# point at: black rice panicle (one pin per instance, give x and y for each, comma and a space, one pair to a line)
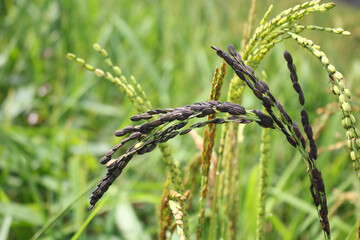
171, 122
285, 124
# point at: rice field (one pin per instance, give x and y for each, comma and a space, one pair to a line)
58, 119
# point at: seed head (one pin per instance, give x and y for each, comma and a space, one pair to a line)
264, 85
288, 57
237, 111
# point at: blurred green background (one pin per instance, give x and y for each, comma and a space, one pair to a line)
57, 119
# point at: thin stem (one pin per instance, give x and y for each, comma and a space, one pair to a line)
208, 145
263, 184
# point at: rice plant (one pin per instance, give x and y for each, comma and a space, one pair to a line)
172, 122
164, 124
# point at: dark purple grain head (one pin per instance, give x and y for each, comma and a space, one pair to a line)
280, 107
291, 141
317, 199
313, 149
186, 112
173, 134
315, 172
185, 131
267, 102
165, 118
249, 69
142, 150
258, 93
297, 130
222, 108
259, 87
301, 98
208, 111
136, 118
291, 67
145, 128
151, 148
297, 87
217, 121
182, 117
129, 129
145, 116
309, 132
214, 103
287, 117
155, 123
231, 104
293, 77
243, 121
240, 74
304, 118
216, 48
224, 55
272, 98
232, 117
152, 112
105, 159
231, 50
195, 125
265, 120
288, 57
303, 143
180, 125
160, 111
196, 108
324, 209
119, 133
264, 85
235, 54
237, 111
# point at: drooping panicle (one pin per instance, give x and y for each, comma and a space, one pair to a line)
284, 123
169, 123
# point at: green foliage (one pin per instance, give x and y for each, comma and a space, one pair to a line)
56, 120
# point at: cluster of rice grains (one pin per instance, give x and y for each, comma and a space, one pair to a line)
274, 31
172, 122
284, 123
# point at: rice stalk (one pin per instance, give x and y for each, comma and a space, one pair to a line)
217, 220
249, 25
191, 173
263, 183
165, 213
358, 232
208, 145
